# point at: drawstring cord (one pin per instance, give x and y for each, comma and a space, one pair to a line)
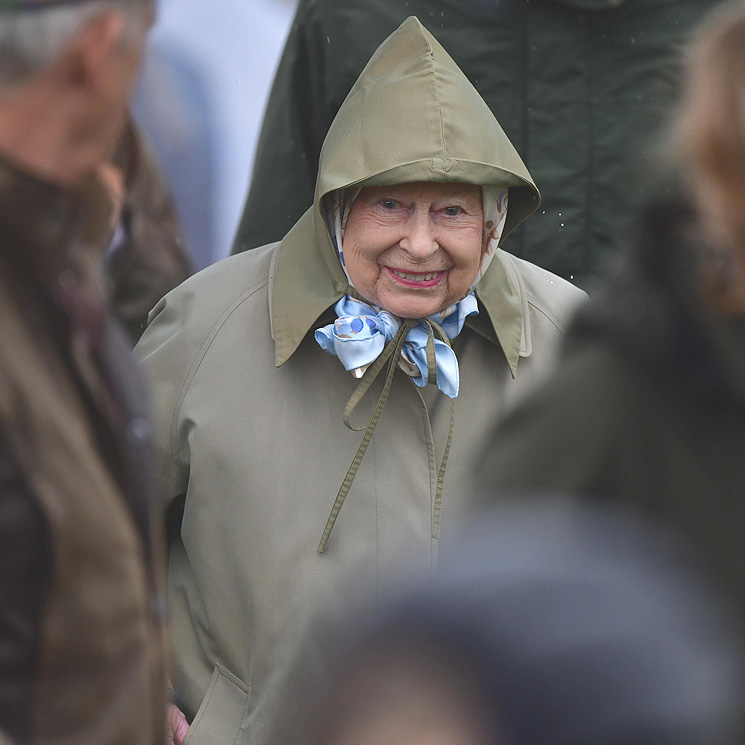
392, 355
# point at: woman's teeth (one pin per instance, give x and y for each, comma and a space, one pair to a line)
416, 277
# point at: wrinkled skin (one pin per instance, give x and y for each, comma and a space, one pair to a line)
431, 232
177, 726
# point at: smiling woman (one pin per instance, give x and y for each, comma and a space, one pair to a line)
414, 249
392, 284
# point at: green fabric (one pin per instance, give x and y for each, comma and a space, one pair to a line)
579, 92
646, 408
392, 354
223, 716
411, 116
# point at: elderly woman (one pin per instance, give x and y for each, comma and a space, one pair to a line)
388, 301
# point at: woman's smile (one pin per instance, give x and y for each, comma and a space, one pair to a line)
416, 279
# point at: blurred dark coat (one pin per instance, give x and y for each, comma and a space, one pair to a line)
647, 406
579, 87
81, 637
152, 257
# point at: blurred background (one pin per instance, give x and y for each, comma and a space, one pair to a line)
200, 103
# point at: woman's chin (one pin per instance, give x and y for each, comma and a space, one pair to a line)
416, 307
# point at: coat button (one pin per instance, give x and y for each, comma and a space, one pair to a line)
138, 432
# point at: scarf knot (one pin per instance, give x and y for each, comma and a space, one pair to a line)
360, 333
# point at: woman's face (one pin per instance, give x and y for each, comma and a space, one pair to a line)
414, 249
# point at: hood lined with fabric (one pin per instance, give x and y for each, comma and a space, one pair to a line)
412, 116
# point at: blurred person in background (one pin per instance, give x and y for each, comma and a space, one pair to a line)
174, 106
388, 302
147, 254
81, 609
647, 406
579, 86
200, 101
553, 624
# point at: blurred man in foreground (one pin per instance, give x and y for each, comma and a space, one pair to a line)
81, 654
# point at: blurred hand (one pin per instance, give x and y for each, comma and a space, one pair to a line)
177, 726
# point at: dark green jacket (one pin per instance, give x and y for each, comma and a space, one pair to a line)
578, 86
647, 407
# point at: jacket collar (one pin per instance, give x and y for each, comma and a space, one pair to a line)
306, 279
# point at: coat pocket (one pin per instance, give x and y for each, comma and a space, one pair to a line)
221, 713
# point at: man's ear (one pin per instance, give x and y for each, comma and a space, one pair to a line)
88, 57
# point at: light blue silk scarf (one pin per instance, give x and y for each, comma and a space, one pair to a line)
360, 334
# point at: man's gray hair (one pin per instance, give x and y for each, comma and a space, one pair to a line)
31, 40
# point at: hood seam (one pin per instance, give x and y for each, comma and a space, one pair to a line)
433, 73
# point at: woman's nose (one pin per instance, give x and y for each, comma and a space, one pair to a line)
419, 239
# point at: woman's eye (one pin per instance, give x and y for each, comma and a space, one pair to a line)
453, 211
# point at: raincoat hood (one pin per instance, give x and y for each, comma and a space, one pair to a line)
412, 116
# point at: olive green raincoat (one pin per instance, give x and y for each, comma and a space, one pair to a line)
250, 408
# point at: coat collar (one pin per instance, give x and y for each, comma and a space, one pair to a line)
306, 280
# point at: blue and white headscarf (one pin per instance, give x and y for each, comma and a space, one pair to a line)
363, 330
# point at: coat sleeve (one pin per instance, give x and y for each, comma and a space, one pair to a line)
167, 354
297, 117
